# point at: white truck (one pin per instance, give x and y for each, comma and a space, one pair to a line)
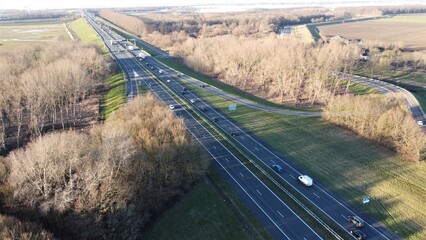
306, 180
141, 56
130, 47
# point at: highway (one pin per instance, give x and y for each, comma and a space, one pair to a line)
318, 195
330, 204
279, 219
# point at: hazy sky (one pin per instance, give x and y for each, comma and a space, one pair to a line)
43, 4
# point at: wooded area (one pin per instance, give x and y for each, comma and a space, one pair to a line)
111, 182
44, 88
380, 119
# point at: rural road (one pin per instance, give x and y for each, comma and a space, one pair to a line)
278, 218
387, 88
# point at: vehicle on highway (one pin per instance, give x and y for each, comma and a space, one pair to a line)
168, 80
233, 134
147, 64
171, 106
203, 109
420, 123
182, 92
152, 68
215, 119
160, 71
193, 100
277, 168
357, 221
306, 180
358, 234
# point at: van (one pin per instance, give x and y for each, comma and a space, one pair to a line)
306, 180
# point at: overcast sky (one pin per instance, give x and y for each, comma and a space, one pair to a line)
43, 4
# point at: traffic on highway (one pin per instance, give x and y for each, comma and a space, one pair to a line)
280, 220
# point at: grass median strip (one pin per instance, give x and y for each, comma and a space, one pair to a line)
114, 96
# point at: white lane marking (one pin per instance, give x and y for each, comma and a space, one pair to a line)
258, 192
227, 159
292, 176
214, 147
256, 148
316, 195
241, 174
280, 214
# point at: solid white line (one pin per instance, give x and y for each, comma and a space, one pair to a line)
280, 214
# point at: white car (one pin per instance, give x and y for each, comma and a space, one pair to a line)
306, 180
172, 106
420, 123
193, 100
168, 80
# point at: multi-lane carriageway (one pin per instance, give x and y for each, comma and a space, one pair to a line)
281, 222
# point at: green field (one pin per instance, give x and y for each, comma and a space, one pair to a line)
86, 33
209, 211
17, 35
405, 19
114, 96
358, 167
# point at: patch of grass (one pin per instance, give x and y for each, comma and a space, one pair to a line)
314, 31
114, 96
209, 211
86, 33
405, 19
358, 167
17, 35
360, 89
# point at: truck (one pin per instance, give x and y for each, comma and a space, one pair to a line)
141, 56
306, 180
130, 47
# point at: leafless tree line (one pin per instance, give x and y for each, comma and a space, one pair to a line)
108, 184
12, 228
286, 70
44, 87
381, 119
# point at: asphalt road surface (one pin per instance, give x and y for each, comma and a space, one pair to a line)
277, 217
287, 224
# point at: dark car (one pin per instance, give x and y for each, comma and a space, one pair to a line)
203, 109
357, 221
277, 168
215, 119
233, 134
358, 234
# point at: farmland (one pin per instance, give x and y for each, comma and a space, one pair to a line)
13, 35
406, 29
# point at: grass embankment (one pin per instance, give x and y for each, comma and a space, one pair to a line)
114, 96
358, 167
208, 211
86, 33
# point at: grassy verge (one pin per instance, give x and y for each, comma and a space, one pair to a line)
209, 211
86, 33
114, 96
359, 167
